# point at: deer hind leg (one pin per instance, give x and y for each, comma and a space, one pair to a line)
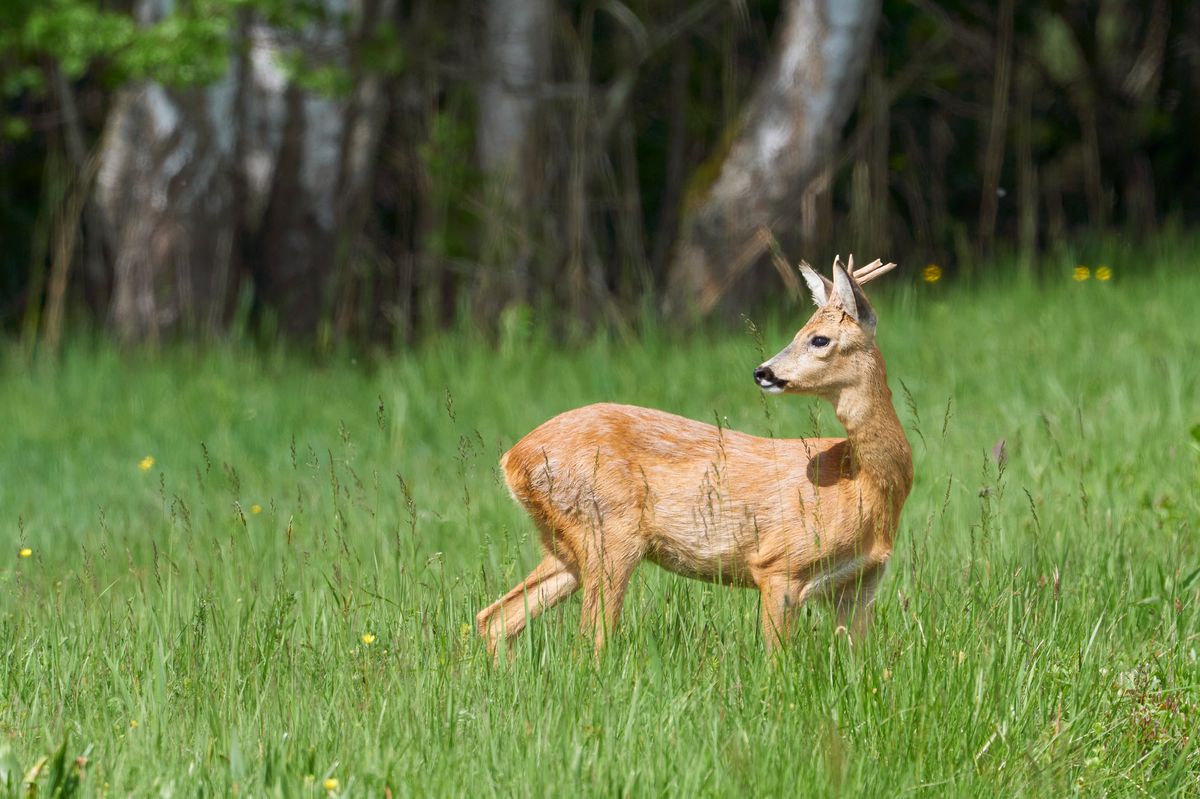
781, 597
550, 582
605, 581
854, 602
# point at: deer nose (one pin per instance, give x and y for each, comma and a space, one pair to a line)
764, 376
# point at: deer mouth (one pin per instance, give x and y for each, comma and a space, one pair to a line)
768, 382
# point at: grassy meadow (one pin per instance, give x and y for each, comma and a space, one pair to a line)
235, 571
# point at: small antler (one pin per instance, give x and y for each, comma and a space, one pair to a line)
866, 274
871, 271
822, 287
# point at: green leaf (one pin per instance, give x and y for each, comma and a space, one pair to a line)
20, 80
10, 768
15, 128
1191, 578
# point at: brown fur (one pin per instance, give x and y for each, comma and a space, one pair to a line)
611, 485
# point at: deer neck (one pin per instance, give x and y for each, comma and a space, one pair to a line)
878, 446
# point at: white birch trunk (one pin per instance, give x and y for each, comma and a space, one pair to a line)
252, 174
515, 64
788, 133
166, 189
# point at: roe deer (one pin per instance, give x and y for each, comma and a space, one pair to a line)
610, 485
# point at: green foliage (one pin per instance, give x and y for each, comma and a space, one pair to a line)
446, 156
75, 33
191, 45
182, 49
199, 623
381, 51
1057, 51
331, 80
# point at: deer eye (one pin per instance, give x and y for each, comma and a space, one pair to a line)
819, 341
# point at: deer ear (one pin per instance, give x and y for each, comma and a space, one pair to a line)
843, 289
850, 295
818, 284
866, 314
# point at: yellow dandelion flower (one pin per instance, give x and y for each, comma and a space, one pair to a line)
1103, 273
932, 273
24, 552
331, 784
1082, 273
256, 509
146, 463
367, 639
133, 724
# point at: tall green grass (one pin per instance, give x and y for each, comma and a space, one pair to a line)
197, 627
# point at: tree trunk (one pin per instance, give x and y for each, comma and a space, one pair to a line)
296, 250
191, 178
515, 67
788, 133
319, 151
165, 188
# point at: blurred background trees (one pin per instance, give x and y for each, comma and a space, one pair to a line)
372, 169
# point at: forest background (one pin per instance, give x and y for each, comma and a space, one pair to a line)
369, 171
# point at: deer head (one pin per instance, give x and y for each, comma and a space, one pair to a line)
835, 349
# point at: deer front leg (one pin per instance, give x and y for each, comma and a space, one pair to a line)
780, 600
855, 603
